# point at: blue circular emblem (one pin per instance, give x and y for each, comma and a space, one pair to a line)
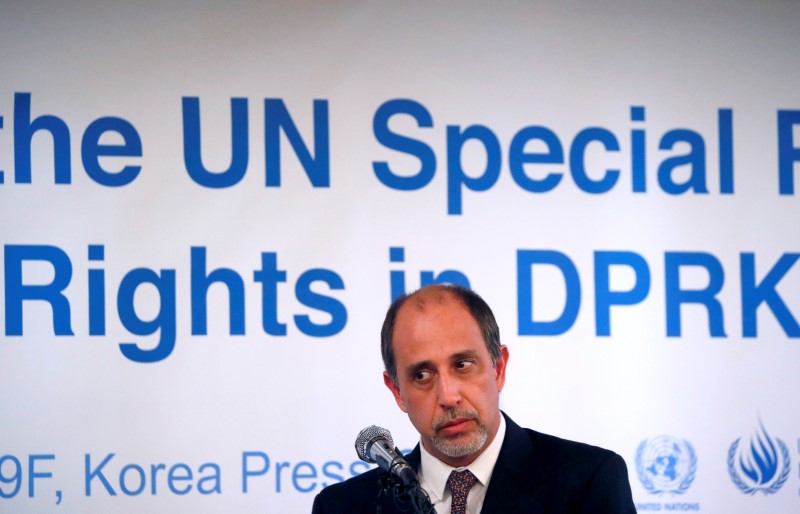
666, 464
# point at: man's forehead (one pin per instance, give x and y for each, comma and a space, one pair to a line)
430, 296
434, 310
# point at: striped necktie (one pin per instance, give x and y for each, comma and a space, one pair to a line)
460, 483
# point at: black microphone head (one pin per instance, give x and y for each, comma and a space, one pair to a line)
366, 437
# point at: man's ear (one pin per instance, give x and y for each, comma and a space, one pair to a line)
395, 391
500, 368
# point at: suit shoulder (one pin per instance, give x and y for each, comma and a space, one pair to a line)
566, 453
356, 494
567, 475
595, 477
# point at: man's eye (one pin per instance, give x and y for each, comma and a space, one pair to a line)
464, 364
422, 376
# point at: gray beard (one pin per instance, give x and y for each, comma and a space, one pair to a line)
461, 447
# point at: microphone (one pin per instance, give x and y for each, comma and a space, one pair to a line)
374, 445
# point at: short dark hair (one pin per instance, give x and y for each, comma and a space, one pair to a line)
470, 299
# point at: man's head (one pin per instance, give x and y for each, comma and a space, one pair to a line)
445, 367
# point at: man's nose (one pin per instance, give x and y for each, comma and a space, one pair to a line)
449, 391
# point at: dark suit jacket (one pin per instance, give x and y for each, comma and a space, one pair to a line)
535, 473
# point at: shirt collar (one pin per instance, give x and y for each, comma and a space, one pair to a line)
436, 472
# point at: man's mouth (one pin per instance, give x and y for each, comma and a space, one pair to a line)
456, 426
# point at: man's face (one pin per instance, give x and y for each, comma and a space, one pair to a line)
446, 382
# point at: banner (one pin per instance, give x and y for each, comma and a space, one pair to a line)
208, 207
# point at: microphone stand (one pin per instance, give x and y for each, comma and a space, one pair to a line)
405, 496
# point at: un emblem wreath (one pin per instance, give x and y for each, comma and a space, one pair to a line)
650, 469
776, 485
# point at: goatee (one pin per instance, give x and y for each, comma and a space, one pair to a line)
464, 444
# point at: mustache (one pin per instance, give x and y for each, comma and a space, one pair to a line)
451, 415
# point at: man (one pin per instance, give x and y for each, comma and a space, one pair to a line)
446, 367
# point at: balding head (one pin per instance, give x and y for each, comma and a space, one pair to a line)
439, 294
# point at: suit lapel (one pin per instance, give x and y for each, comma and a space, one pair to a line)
519, 479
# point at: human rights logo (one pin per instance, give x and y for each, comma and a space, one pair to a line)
760, 465
666, 464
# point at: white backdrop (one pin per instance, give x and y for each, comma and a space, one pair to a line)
666, 119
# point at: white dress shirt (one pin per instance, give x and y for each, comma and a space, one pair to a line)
433, 475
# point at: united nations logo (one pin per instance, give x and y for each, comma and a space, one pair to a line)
763, 465
666, 464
